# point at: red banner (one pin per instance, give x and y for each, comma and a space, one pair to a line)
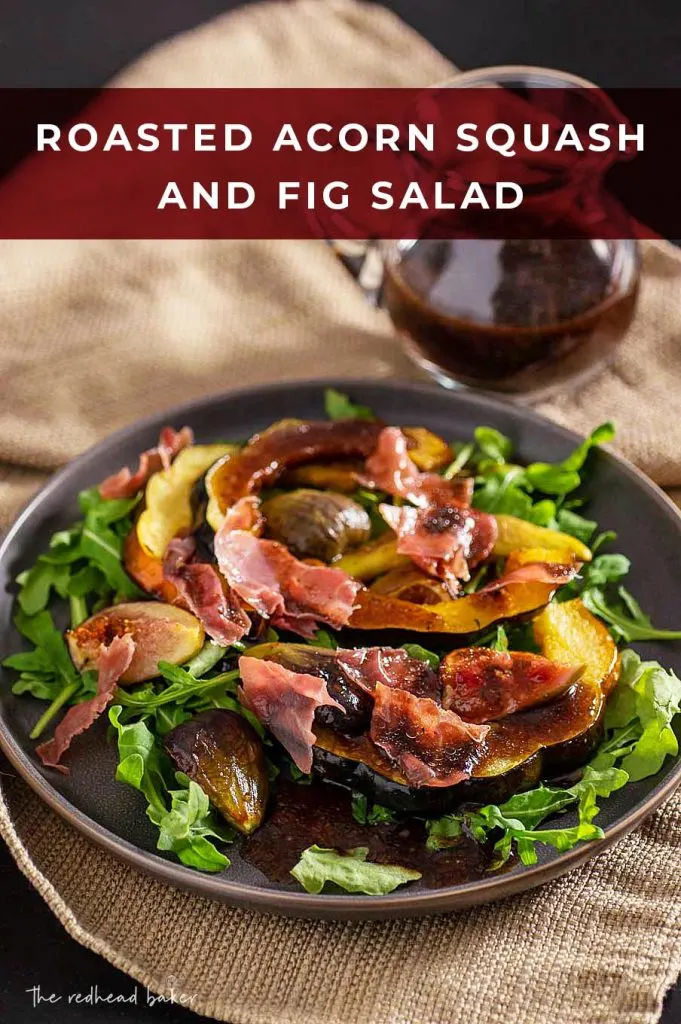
339, 163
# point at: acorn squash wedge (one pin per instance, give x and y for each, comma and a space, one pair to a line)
168, 510
519, 750
381, 555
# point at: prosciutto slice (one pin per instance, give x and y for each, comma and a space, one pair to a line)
114, 660
292, 594
430, 745
483, 685
125, 484
534, 572
391, 469
368, 666
285, 702
443, 540
203, 592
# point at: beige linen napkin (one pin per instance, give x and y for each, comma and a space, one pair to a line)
93, 335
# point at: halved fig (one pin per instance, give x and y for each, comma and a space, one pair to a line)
288, 444
167, 510
161, 632
356, 704
482, 685
223, 754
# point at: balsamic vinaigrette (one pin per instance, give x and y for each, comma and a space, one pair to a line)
511, 315
320, 814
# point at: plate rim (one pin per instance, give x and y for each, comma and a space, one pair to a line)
302, 904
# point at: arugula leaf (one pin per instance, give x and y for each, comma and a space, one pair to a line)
464, 453
183, 686
47, 669
500, 642
602, 571
351, 871
493, 445
647, 697
37, 584
599, 435
416, 651
297, 775
507, 489
140, 760
517, 819
323, 638
444, 831
624, 616
575, 525
207, 658
551, 479
363, 814
339, 407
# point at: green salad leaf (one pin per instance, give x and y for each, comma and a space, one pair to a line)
639, 716
508, 489
624, 616
350, 871
339, 407
186, 824
416, 651
366, 814
84, 565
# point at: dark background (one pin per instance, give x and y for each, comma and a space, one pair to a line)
67, 43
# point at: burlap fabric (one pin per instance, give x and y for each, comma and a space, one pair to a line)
95, 334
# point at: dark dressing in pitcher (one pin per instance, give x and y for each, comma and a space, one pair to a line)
515, 316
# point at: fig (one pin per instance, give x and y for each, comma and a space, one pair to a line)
356, 704
161, 632
223, 754
316, 524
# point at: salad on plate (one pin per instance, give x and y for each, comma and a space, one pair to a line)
365, 653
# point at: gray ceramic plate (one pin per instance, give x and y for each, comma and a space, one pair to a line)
110, 814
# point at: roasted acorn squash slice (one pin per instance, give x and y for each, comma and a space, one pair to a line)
541, 742
379, 556
167, 511
462, 615
167, 508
